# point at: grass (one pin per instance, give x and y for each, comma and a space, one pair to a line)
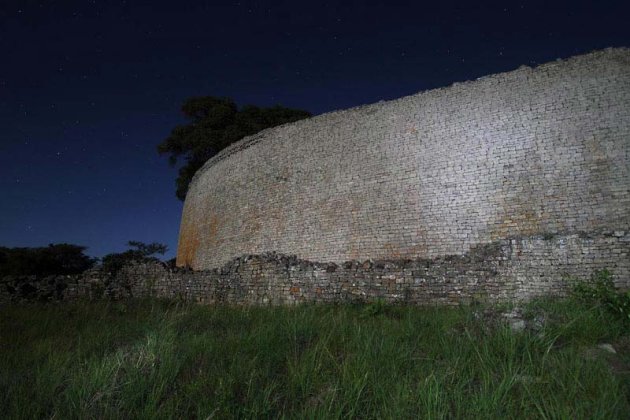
158, 359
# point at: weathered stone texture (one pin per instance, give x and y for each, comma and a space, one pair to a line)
532, 153
497, 189
506, 270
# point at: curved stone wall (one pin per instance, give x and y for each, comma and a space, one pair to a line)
530, 152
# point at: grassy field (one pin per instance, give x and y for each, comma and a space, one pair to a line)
156, 359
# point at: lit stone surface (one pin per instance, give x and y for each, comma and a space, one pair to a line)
532, 153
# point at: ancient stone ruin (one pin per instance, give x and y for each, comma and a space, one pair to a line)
536, 160
498, 188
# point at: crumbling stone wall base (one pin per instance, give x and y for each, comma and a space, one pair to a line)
507, 270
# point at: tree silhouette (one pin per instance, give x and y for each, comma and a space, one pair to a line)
113, 263
42, 261
215, 123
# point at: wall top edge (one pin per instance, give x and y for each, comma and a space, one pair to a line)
246, 142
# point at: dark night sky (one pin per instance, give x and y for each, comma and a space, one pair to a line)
89, 88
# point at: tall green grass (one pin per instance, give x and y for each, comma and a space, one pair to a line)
157, 359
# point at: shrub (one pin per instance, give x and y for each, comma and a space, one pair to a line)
55, 259
378, 307
113, 263
601, 291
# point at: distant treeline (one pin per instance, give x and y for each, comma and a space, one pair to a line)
65, 259
53, 259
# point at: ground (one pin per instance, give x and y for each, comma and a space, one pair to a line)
165, 359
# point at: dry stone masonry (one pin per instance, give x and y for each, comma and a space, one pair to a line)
505, 270
533, 154
494, 189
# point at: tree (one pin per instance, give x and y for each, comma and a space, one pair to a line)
215, 123
112, 263
42, 261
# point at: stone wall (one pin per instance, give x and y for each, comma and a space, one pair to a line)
496, 189
505, 270
541, 152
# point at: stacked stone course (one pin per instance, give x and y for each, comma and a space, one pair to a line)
508, 270
528, 153
495, 189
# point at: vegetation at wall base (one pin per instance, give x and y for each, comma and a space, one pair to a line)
139, 253
601, 293
168, 359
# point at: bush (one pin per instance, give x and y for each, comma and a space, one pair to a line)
113, 263
601, 291
55, 259
378, 307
